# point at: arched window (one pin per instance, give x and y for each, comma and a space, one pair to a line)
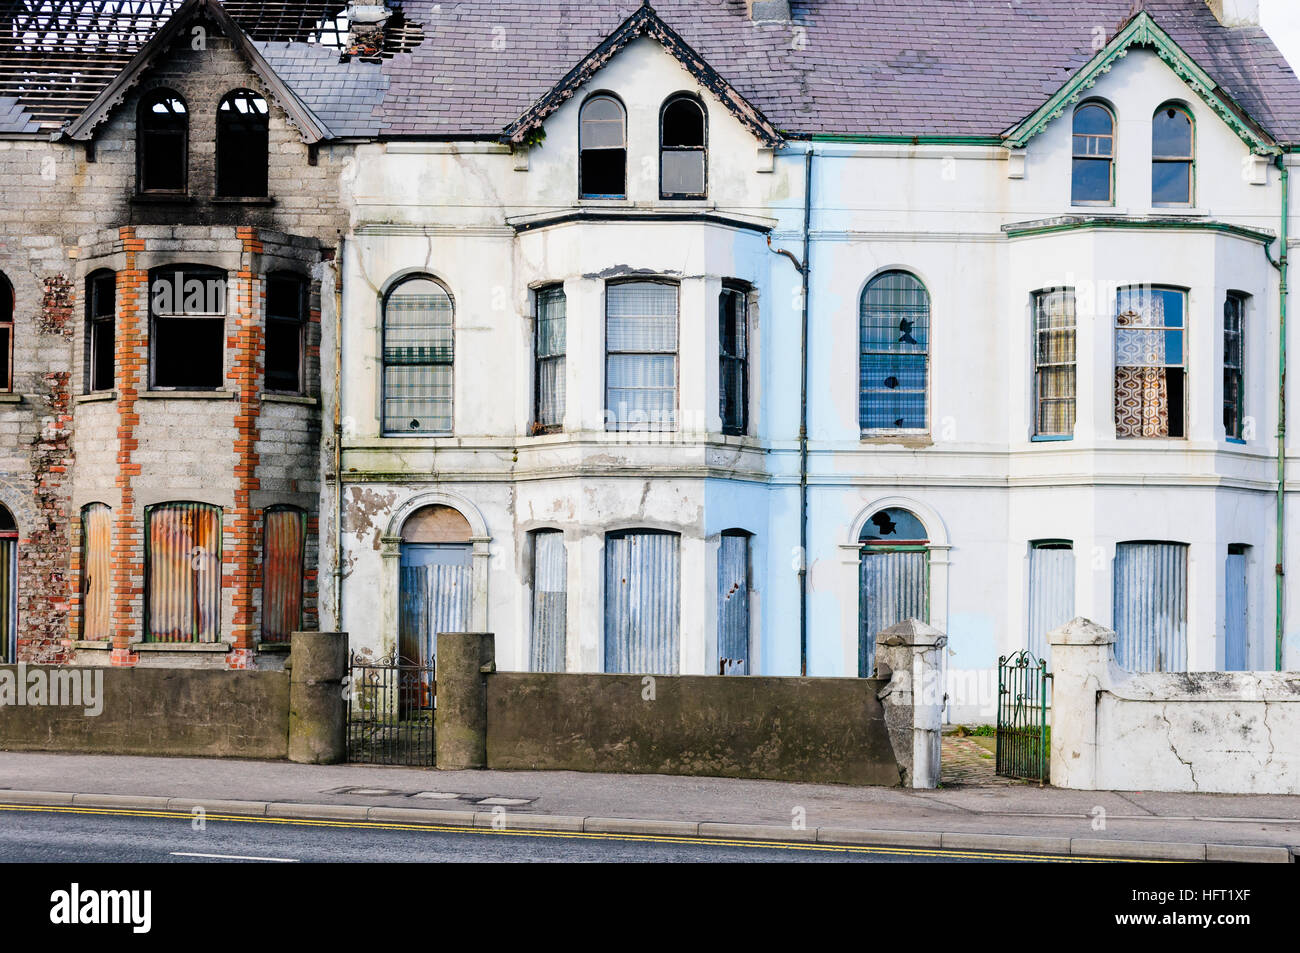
419, 345
96, 572
1094, 156
101, 309
242, 122
893, 580
602, 147
8, 586
895, 353
1173, 156
284, 550
162, 143
7, 332
436, 588
682, 149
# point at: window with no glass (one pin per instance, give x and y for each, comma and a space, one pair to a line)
101, 297
242, 143
162, 148
286, 326
682, 149
187, 343
602, 145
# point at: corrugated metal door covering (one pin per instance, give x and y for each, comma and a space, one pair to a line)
1051, 593
284, 541
733, 605
1151, 606
436, 590
96, 571
1235, 650
643, 602
550, 595
894, 587
183, 587
9, 598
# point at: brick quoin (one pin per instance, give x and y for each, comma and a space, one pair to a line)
130, 356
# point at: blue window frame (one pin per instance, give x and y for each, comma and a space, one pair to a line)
895, 353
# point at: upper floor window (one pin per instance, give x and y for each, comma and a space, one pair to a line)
162, 143
419, 346
733, 354
1094, 155
286, 328
187, 334
6, 334
602, 144
1054, 363
242, 144
1150, 363
1172, 156
682, 153
1234, 366
548, 410
894, 353
101, 307
641, 356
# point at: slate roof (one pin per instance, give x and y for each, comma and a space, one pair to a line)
844, 67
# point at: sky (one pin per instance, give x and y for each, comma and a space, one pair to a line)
1281, 18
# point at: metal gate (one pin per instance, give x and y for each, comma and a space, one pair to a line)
1024, 737
390, 711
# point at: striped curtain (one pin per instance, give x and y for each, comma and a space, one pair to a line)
284, 541
550, 595
183, 584
96, 572
643, 603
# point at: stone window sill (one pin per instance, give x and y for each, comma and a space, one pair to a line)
290, 399
100, 644
242, 200
181, 646
11, 398
187, 395
273, 647
162, 198
97, 397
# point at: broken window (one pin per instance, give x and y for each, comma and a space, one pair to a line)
893, 578
187, 343
1150, 368
550, 601
1172, 156
162, 143
182, 572
1234, 366
643, 602
101, 308
733, 603
96, 572
895, 353
284, 548
242, 143
8, 587
1151, 606
419, 346
7, 332
1093, 179
641, 356
682, 149
286, 328
548, 412
733, 360
602, 146
1054, 363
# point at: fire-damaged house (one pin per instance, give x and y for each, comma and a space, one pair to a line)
694, 337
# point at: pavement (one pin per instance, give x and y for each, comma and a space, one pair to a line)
958, 816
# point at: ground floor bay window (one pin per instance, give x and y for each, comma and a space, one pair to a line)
183, 572
8, 587
643, 602
1151, 606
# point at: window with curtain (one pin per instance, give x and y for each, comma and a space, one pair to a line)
1234, 366
162, 143
419, 345
1172, 156
602, 148
243, 125
895, 353
284, 547
1093, 175
548, 411
641, 356
182, 572
733, 369
1150, 364
1054, 362
286, 330
96, 572
682, 152
101, 308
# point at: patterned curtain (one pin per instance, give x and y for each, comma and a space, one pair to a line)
1141, 379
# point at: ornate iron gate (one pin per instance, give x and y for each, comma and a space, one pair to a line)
1024, 737
390, 711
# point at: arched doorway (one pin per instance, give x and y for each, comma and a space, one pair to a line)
436, 580
894, 578
8, 586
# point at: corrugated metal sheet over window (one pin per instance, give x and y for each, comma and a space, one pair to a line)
284, 542
96, 571
1151, 606
436, 591
1236, 652
183, 576
894, 586
550, 595
643, 603
733, 605
1051, 593
9, 598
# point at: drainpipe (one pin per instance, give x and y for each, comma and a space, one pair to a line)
805, 269
1282, 264
338, 437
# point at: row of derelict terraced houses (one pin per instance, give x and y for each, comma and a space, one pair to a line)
694, 341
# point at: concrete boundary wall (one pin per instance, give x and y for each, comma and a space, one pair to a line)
1221, 732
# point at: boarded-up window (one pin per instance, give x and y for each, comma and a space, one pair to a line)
894, 579
733, 604
96, 572
437, 580
1151, 606
550, 597
643, 602
418, 358
551, 319
1051, 591
641, 356
8, 587
1236, 646
183, 573
284, 541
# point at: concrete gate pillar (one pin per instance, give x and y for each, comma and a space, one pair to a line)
460, 719
318, 663
910, 655
1082, 654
